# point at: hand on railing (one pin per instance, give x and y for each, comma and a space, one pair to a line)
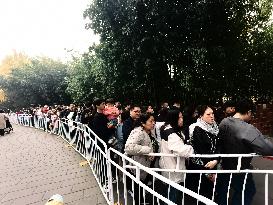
211, 164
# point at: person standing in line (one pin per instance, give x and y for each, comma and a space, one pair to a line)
128, 124
125, 113
229, 108
237, 136
204, 139
139, 143
100, 121
100, 127
173, 142
226, 110
162, 112
3, 119
190, 116
54, 121
150, 109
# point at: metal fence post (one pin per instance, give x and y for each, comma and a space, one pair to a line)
109, 174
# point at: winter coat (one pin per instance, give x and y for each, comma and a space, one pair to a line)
173, 144
3, 119
138, 144
239, 137
127, 128
119, 136
204, 142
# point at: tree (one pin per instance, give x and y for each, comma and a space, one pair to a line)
12, 61
86, 78
42, 81
192, 50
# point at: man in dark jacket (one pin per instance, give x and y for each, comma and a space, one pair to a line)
237, 136
129, 123
99, 122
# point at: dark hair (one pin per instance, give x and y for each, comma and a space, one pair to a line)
189, 110
142, 119
133, 106
145, 108
1, 111
172, 119
245, 105
162, 115
97, 101
110, 100
229, 103
201, 109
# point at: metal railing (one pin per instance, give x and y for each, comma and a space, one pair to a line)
82, 139
108, 164
220, 171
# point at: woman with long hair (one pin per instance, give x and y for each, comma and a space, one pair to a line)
173, 142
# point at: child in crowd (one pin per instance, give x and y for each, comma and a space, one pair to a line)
111, 113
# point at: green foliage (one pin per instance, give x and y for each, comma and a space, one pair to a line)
42, 81
153, 51
86, 78
195, 51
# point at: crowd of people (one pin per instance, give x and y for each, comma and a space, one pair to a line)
138, 131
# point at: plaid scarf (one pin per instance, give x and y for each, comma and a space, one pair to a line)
211, 128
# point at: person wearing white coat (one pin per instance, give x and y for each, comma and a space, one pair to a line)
172, 142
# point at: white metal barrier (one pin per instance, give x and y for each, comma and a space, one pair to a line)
141, 192
107, 164
92, 148
219, 171
83, 140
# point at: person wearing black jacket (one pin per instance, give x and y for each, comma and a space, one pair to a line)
99, 122
204, 140
128, 124
99, 126
237, 136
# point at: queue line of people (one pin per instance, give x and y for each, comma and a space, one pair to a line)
233, 136
138, 134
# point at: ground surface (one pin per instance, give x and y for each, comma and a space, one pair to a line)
34, 165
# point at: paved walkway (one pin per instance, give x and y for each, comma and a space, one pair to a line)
34, 165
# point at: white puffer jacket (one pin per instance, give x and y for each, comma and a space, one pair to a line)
174, 145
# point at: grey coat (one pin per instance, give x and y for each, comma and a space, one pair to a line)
239, 137
138, 144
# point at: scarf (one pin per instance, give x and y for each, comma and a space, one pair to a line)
211, 128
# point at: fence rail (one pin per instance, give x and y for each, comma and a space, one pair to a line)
109, 165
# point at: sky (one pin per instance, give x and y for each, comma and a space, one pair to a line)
44, 28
